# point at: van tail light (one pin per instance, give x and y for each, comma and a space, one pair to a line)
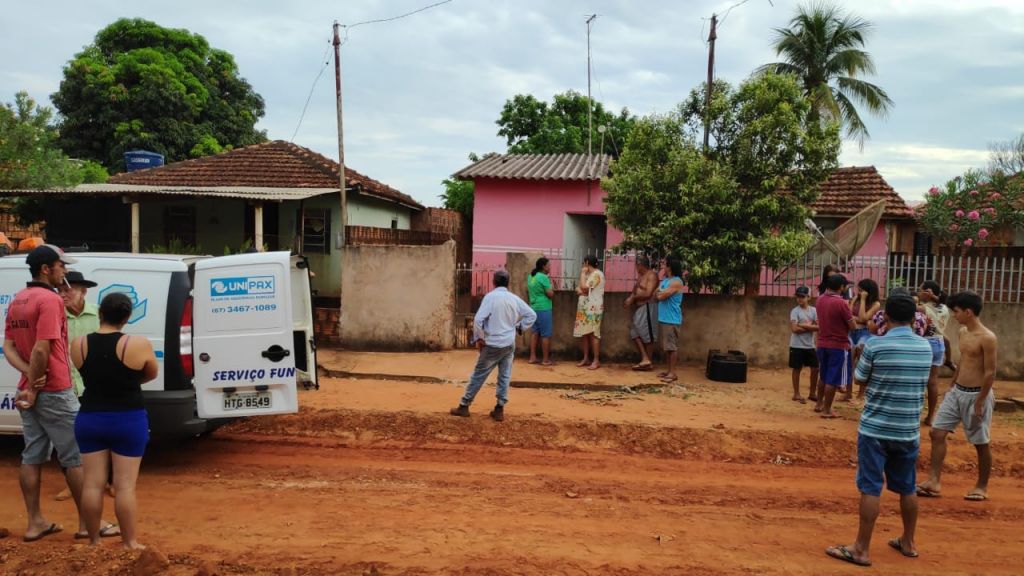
185, 343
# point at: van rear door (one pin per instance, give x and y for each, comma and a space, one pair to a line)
242, 341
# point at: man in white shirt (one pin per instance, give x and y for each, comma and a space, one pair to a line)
502, 314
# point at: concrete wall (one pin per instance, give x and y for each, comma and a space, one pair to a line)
759, 327
1005, 320
398, 297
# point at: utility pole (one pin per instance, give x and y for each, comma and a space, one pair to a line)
590, 119
341, 150
590, 102
711, 79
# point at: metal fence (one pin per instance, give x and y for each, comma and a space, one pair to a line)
995, 278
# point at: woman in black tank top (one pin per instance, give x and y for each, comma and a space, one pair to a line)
112, 425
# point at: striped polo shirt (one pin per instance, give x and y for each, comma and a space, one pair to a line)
896, 368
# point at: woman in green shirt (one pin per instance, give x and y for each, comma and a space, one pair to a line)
538, 284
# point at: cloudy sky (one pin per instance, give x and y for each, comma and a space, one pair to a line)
424, 91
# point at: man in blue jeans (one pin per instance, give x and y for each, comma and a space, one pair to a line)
895, 368
502, 314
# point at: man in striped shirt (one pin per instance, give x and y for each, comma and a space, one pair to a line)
895, 369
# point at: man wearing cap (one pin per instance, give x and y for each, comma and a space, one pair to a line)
895, 369
83, 317
803, 323
835, 320
502, 314
36, 329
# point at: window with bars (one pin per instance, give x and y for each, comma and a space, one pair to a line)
316, 231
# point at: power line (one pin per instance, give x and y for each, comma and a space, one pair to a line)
311, 88
391, 19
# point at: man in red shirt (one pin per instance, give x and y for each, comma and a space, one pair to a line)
36, 329
835, 320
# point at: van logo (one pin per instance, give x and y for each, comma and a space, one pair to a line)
242, 286
139, 306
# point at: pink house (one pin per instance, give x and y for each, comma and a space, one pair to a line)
550, 203
553, 203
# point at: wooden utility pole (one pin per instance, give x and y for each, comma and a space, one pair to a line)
341, 152
711, 79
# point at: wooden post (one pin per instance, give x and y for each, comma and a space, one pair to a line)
258, 227
135, 227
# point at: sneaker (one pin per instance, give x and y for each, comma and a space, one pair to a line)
460, 411
498, 414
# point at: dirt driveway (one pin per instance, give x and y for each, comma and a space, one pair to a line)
372, 477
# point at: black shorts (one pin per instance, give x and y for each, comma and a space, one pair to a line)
800, 357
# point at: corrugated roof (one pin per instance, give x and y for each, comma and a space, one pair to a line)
849, 190
247, 192
538, 167
276, 164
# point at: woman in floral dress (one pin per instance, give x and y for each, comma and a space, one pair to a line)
589, 312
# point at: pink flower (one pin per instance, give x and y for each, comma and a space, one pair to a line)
959, 213
949, 203
996, 196
983, 233
990, 211
934, 191
973, 215
968, 242
973, 192
954, 227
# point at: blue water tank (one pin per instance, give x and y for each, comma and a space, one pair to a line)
142, 159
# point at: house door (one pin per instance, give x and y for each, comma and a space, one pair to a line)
583, 234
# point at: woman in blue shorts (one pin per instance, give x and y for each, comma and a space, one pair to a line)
538, 284
863, 305
112, 425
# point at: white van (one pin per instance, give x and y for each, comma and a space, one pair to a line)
233, 335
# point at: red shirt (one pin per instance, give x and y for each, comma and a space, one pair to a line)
37, 313
834, 317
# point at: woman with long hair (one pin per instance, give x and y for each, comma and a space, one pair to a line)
112, 425
590, 312
538, 285
932, 301
864, 304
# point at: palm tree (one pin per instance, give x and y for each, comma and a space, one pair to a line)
824, 47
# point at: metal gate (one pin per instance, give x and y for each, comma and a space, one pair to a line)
471, 283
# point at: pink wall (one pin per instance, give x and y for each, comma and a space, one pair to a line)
521, 215
878, 244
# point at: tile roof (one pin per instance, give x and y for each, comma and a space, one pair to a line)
245, 192
538, 167
274, 164
850, 189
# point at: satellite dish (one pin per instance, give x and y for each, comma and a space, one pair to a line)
601, 129
842, 243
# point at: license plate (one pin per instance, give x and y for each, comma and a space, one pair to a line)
246, 400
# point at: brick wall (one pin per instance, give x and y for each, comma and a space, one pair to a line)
325, 326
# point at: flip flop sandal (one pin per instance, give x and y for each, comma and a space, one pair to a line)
109, 530
51, 529
928, 493
974, 497
898, 545
843, 553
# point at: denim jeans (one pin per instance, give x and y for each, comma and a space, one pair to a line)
485, 363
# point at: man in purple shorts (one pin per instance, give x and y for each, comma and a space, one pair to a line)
835, 320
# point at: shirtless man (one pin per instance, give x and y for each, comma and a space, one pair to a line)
971, 399
644, 328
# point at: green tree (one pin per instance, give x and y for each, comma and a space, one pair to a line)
824, 47
458, 195
531, 126
30, 158
738, 207
139, 85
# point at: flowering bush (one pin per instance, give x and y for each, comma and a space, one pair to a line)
969, 208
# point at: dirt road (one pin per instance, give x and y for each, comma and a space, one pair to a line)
373, 478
